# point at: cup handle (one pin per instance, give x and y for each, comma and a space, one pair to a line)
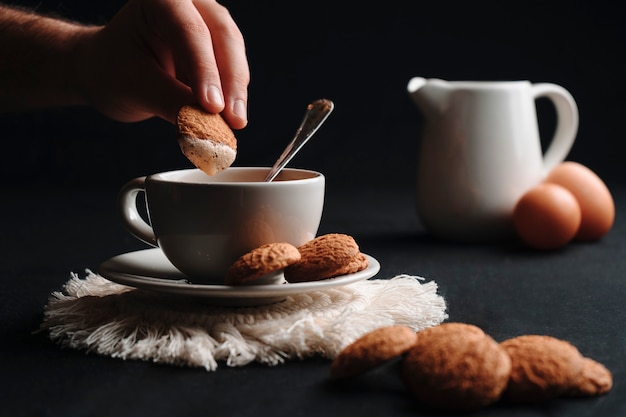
566, 123
127, 208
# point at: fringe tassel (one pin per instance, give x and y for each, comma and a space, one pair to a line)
97, 315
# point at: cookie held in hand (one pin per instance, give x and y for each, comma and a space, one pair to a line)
205, 139
326, 256
261, 261
372, 350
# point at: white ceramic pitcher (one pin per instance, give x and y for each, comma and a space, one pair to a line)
481, 150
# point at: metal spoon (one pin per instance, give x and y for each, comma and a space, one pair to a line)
316, 114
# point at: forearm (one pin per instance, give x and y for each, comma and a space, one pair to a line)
39, 57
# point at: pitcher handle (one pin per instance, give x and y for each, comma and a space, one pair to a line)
127, 209
566, 123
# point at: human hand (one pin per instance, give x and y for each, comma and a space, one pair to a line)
155, 56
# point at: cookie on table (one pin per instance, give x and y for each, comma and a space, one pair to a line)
205, 139
594, 379
324, 257
372, 350
455, 367
261, 261
543, 367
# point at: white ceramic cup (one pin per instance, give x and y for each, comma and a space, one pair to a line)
204, 223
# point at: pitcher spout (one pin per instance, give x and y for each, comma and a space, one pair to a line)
430, 95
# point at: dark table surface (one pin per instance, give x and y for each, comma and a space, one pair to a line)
576, 294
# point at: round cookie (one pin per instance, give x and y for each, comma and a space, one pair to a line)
205, 139
371, 350
456, 367
322, 258
261, 261
543, 367
594, 379
356, 264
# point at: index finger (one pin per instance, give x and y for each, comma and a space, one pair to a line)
181, 26
230, 54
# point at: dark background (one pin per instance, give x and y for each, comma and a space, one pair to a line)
360, 55
60, 170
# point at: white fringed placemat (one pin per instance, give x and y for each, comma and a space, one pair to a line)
97, 315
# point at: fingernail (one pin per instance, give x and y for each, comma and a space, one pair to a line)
214, 96
239, 109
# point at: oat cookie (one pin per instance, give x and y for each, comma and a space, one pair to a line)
371, 350
261, 261
543, 367
205, 139
323, 257
456, 367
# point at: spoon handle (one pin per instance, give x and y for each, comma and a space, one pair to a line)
316, 114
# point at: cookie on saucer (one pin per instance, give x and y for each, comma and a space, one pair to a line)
261, 261
356, 264
326, 256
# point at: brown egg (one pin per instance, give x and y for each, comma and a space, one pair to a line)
595, 200
547, 217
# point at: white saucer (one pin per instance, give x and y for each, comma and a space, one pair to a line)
149, 269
